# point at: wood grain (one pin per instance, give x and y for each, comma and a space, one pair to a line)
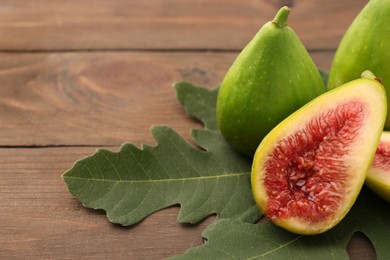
170, 24
104, 98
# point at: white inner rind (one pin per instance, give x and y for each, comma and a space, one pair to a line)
362, 149
379, 181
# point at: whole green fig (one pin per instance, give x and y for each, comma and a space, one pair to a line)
272, 77
365, 46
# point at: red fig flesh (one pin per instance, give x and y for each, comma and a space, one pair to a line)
308, 171
378, 178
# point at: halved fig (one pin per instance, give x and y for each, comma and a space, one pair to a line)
308, 171
378, 178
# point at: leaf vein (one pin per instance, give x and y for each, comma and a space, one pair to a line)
113, 166
233, 175
275, 249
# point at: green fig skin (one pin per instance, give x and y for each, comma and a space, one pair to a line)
364, 46
272, 77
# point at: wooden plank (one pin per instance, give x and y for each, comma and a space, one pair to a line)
40, 220
101, 98
164, 24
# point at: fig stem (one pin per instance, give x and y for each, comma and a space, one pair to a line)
282, 16
367, 74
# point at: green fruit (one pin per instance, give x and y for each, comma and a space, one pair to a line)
272, 77
378, 178
364, 46
308, 171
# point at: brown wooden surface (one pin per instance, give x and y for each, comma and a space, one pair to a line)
77, 75
100, 98
168, 24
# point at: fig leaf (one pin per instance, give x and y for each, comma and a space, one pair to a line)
232, 239
133, 183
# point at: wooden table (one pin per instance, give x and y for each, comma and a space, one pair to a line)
78, 75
